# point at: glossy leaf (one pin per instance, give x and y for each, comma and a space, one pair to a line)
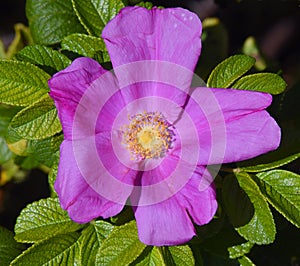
51, 180
60, 250
94, 14
50, 21
43, 219
90, 241
152, 257
85, 45
282, 188
245, 261
229, 70
43, 56
261, 228
45, 151
112, 252
269, 166
9, 248
182, 255
264, 82
37, 121
240, 250
21, 84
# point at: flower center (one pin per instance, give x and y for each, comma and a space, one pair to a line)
148, 135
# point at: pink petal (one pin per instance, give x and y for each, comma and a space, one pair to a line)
232, 124
171, 35
251, 135
201, 204
169, 222
68, 86
250, 130
122, 170
164, 223
240, 102
76, 196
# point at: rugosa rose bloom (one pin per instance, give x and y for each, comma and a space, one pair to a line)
142, 137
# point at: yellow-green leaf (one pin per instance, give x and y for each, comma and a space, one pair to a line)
264, 82
229, 70
21, 84
37, 121
261, 228
282, 189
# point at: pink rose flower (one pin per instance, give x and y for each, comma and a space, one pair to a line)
142, 137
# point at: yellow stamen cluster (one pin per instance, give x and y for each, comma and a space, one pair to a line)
148, 135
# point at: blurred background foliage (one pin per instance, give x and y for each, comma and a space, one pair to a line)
268, 30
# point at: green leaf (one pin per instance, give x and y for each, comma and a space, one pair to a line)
9, 248
21, 84
264, 82
261, 228
51, 179
91, 239
60, 250
166, 256
236, 202
43, 56
85, 45
182, 255
94, 14
240, 250
229, 70
282, 189
15, 143
46, 151
43, 219
112, 253
37, 121
152, 257
245, 261
50, 21
269, 166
